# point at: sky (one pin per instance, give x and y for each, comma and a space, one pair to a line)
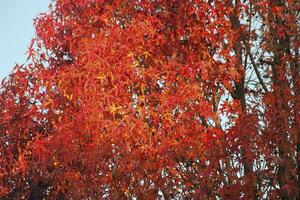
16, 30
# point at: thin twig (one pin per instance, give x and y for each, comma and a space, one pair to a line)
255, 68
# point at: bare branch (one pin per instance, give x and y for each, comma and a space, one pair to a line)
261, 81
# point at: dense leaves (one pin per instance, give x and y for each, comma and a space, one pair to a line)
155, 99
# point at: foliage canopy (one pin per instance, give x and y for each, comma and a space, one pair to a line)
155, 99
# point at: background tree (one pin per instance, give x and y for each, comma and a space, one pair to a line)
155, 99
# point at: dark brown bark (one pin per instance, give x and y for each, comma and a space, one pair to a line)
285, 174
239, 93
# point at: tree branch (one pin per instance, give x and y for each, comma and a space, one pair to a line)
261, 81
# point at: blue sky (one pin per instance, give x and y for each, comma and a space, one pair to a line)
16, 30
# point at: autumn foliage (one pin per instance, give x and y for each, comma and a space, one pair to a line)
191, 99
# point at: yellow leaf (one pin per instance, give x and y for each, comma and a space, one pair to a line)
130, 54
147, 54
101, 77
69, 97
113, 109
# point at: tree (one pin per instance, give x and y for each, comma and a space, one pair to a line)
155, 99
